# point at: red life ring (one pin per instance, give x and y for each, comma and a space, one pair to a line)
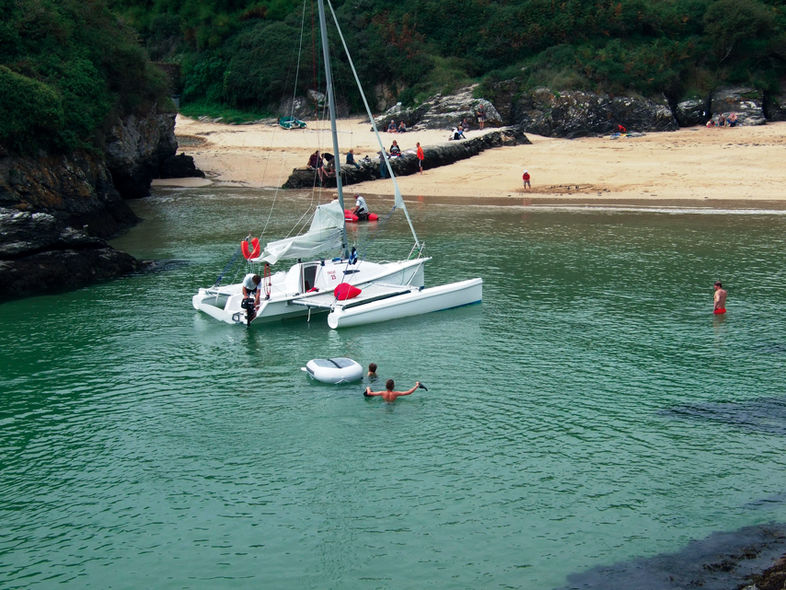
255, 248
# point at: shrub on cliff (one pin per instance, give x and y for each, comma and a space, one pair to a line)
69, 68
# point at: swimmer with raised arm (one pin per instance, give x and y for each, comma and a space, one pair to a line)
388, 394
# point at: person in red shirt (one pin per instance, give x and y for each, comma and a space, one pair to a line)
421, 157
525, 177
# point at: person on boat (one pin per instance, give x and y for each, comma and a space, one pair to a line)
361, 209
388, 394
351, 159
372, 372
719, 299
395, 151
251, 284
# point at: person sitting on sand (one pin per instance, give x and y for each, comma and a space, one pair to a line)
392, 127
402, 128
388, 394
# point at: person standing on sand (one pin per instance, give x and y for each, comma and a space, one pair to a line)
719, 299
525, 177
421, 157
388, 394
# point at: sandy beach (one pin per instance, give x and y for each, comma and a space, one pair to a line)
741, 167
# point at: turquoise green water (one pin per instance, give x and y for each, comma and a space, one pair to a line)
589, 411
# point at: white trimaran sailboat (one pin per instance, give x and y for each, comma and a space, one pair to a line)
387, 290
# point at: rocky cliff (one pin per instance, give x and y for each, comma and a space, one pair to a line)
574, 113
56, 211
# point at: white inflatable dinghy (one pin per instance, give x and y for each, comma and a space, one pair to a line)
336, 370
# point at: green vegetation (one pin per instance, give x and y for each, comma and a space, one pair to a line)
67, 68
241, 54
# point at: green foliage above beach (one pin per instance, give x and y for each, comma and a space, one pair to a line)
67, 68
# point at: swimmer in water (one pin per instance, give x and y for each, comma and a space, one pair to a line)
388, 394
719, 299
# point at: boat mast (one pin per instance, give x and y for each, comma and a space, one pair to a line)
332, 109
398, 199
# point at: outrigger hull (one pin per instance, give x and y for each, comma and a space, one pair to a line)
415, 302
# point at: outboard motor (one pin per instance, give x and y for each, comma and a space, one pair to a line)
249, 305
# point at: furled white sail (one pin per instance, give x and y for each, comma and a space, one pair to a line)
323, 235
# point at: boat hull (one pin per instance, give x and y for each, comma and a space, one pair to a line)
298, 285
416, 302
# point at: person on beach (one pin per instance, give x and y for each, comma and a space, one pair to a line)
719, 299
525, 178
251, 284
402, 128
392, 127
372, 371
388, 394
481, 115
361, 209
421, 157
383, 167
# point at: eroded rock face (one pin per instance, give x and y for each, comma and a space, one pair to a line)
135, 149
58, 209
694, 111
777, 107
76, 189
444, 112
747, 103
578, 114
41, 254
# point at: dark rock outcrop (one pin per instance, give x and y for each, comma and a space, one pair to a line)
135, 149
76, 189
41, 254
693, 111
776, 107
180, 166
443, 112
407, 163
579, 114
58, 209
747, 103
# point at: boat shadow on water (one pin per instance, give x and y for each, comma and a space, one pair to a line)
764, 414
